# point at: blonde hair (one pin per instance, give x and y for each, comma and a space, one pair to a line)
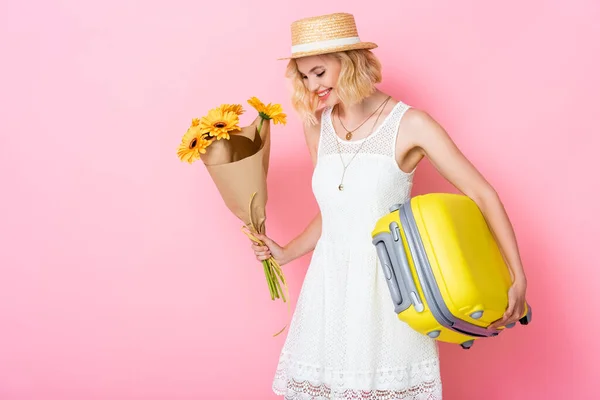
360, 71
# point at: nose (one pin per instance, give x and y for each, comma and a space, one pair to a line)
313, 86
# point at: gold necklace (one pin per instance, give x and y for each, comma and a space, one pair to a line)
349, 133
341, 185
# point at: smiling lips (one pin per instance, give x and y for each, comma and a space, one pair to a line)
323, 94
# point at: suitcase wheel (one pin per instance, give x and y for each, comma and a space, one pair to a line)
527, 318
511, 325
467, 345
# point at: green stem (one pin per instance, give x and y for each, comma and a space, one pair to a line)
273, 280
268, 277
278, 275
260, 124
280, 290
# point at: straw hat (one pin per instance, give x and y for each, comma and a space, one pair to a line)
325, 34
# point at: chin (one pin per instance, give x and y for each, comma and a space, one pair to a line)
330, 101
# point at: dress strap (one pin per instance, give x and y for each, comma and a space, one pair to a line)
327, 135
398, 113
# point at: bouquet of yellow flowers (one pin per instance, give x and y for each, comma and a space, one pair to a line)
237, 160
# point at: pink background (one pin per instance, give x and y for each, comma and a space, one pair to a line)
124, 277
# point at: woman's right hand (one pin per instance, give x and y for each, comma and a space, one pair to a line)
270, 248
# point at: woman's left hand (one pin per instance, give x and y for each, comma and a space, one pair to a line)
516, 306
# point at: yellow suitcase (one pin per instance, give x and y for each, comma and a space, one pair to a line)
445, 272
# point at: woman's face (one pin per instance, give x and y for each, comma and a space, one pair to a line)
320, 75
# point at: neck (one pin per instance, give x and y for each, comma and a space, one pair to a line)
356, 113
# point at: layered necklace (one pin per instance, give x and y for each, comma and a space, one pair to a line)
349, 136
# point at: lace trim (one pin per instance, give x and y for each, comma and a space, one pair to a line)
388, 384
305, 390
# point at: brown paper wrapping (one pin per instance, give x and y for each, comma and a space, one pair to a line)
239, 168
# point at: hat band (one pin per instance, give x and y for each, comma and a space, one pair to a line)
324, 44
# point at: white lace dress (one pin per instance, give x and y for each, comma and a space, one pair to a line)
344, 340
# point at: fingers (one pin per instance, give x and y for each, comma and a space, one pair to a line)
262, 252
496, 324
514, 312
511, 315
515, 315
267, 241
263, 256
501, 322
258, 247
510, 309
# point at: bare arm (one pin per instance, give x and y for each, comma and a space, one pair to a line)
425, 135
306, 241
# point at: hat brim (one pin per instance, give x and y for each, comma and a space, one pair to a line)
356, 46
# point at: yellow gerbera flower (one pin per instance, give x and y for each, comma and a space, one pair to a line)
269, 111
193, 143
219, 123
236, 108
275, 112
257, 104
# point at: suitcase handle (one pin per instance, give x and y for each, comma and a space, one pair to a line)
397, 290
408, 282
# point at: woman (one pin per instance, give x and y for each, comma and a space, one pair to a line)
345, 341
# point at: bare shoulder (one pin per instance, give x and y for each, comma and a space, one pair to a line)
418, 133
418, 128
312, 134
416, 119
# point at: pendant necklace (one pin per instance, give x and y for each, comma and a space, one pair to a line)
348, 132
341, 185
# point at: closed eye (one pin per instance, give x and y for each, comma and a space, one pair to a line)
320, 74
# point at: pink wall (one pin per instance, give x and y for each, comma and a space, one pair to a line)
124, 277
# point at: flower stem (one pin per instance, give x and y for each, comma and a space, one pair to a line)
260, 124
269, 279
277, 273
273, 280
279, 290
